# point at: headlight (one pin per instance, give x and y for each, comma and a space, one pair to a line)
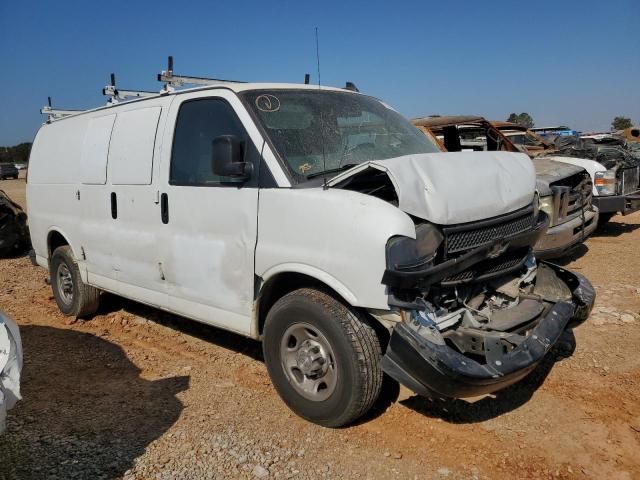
605, 182
546, 205
407, 253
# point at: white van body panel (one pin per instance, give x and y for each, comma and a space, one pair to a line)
317, 236
95, 150
131, 146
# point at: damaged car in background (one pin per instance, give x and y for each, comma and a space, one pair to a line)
565, 191
10, 366
376, 251
613, 162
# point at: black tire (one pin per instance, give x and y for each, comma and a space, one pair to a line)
604, 218
355, 354
73, 296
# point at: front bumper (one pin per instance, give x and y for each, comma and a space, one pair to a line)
437, 370
559, 239
624, 204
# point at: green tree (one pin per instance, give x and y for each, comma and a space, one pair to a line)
620, 123
16, 154
523, 119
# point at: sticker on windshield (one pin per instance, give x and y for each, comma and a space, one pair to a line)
268, 103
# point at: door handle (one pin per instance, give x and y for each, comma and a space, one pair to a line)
164, 208
114, 205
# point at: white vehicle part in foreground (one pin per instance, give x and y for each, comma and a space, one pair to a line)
461, 187
10, 366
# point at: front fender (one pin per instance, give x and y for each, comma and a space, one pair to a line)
336, 236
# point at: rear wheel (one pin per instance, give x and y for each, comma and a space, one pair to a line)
73, 296
323, 357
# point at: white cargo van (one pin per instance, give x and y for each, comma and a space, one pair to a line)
315, 219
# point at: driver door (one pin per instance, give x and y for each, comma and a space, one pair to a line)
209, 222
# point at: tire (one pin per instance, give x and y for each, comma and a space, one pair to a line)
313, 341
604, 218
73, 296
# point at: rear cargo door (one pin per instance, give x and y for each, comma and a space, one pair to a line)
95, 224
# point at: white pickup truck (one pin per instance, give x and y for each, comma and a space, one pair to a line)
614, 171
317, 220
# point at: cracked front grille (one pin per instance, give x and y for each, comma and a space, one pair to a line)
630, 180
487, 269
467, 239
570, 196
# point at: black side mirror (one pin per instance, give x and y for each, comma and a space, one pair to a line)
227, 158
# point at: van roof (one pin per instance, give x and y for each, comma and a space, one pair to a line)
233, 86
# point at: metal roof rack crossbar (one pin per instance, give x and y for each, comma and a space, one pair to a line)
172, 80
118, 94
56, 113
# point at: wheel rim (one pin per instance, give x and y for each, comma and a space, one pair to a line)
308, 362
65, 283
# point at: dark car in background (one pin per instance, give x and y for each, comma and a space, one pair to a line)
8, 170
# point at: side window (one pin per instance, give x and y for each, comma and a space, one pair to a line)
198, 123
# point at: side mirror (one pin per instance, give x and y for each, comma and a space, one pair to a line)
227, 158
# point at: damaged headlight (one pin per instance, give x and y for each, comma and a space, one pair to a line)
605, 182
546, 205
404, 253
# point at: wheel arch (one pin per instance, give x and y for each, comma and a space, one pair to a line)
277, 282
55, 239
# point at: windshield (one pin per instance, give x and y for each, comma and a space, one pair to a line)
321, 131
524, 138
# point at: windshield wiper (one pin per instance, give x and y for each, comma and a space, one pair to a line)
346, 166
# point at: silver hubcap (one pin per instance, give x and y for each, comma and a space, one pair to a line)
65, 283
308, 362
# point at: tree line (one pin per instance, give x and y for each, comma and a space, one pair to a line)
16, 154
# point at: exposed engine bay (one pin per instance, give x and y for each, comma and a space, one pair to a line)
488, 320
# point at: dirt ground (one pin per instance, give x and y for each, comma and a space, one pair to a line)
138, 393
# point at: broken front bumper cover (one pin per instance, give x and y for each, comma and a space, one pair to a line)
438, 371
561, 238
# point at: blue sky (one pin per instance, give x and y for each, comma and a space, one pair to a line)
569, 62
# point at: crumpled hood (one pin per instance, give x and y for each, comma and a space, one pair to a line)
455, 187
551, 171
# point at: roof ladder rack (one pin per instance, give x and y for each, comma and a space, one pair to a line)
118, 94
172, 80
56, 113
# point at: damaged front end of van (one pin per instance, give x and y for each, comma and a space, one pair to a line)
477, 311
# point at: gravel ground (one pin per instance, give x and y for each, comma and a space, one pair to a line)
140, 394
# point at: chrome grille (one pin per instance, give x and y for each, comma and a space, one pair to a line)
570, 196
630, 180
467, 239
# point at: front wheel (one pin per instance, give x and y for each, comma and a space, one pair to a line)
323, 357
73, 296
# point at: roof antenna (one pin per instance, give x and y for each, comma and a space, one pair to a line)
318, 56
